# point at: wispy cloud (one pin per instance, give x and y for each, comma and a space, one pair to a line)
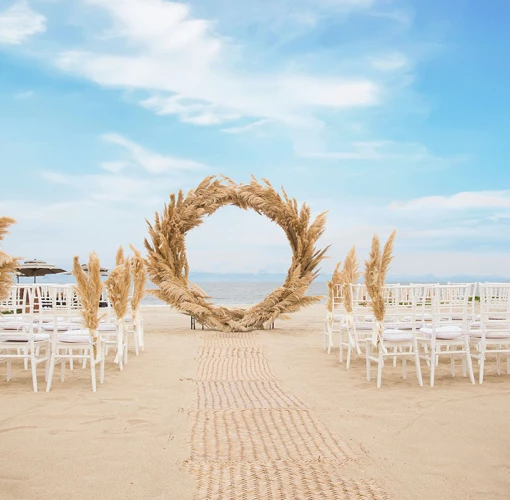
247, 128
159, 47
150, 161
19, 22
459, 201
389, 62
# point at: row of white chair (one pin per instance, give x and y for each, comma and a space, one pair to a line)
424, 322
45, 326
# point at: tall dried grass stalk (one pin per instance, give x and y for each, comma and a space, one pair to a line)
120, 257
139, 278
168, 266
89, 288
8, 264
350, 275
117, 286
376, 269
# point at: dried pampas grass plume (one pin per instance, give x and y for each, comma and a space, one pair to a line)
8, 264
376, 269
117, 286
139, 278
119, 257
168, 266
350, 275
89, 288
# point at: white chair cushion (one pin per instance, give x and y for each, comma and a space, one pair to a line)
107, 327
71, 338
405, 325
60, 327
14, 325
443, 332
393, 335
24, 337
490, 335
363, 325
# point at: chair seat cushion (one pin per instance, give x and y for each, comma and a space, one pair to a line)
12, 325
24, 337
363, 325
394, 335
490, 335
60, 327
106, 327
405, 325
443, 332
80, 338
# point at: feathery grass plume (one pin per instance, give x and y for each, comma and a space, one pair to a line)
350, 276
376, 269
335, 280
89, 288
119, 257
117, 285
168, 266
8, 264
139, 278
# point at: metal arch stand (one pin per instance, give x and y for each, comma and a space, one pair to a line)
193, 325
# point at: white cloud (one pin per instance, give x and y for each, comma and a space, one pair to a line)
459, 201
389, 62
114, 166
19, 22
150, 161
194, 73
380, 150
246, 128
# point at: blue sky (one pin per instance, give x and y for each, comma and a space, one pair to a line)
388, 113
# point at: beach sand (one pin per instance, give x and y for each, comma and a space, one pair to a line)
130, 439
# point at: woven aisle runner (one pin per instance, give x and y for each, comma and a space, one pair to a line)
252, 440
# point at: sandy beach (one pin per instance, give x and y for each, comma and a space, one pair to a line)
134, 438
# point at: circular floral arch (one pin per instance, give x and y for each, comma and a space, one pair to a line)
168, 266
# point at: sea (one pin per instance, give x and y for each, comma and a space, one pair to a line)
220, 292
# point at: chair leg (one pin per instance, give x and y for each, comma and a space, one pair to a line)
101, 371
395, 349
340, 346
93, 371
62, 370
348, 360
452, 365
404, 367
418, 364
469, 362
9, 370
433, 357
508, 364
25, 360
50, 373
33, 365
380, 364
368, 353
498, 362
482, 366
135, 341
71, 361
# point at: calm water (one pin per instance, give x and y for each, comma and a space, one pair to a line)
221, 292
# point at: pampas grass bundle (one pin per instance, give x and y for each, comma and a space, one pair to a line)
376, 269
118, 286
89, 288
350, 275
139, 280
168, 266
8, 264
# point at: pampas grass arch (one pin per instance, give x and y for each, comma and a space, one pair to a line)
168, 266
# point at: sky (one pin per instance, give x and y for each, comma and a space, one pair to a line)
387, 113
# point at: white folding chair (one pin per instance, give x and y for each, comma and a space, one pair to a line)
448, 328
491, 335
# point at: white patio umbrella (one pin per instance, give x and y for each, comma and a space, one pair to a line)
102, 270
34, 268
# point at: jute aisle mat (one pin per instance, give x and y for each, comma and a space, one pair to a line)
252, 440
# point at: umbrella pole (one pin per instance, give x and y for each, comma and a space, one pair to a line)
34, 278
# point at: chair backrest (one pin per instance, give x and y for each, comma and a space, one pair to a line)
338, 304
450, 303
361, 302
494, 301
